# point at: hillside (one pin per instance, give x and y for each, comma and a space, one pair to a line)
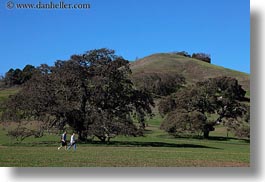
192, 69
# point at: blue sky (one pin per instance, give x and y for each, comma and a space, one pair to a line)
134, 28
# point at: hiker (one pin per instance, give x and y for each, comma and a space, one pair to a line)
72, 142
63, 141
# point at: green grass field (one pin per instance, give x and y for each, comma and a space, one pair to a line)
4, 93
155, 149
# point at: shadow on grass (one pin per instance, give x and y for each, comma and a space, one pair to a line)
211, 138
217, 138
151, 144
33, 144
116, 144
137, 143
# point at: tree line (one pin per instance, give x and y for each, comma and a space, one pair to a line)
96, 95
200, 56
17, 76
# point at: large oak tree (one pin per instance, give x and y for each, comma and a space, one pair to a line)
91, 92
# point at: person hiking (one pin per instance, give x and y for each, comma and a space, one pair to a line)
72, 142
63, 141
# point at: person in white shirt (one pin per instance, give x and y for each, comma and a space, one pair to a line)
72, 142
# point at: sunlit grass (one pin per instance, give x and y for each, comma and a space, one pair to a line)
155, 149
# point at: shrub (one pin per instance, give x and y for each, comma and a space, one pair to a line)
202, 56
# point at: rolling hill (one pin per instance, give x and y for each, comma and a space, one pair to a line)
192, 69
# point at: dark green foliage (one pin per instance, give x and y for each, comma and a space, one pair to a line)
167, 105
227, 87
243, 131
161, 84
92, 93
240, 126
27, 73
183, 53
105, 127
181, 122
247, 114
228, 94
202, 56
20, 133
13, 77
17, 76
221, 96
190, 98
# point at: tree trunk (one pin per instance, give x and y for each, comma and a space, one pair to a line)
207, 128
108, 140
206, 134
101, 138
81, 136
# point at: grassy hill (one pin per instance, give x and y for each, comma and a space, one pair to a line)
192, 69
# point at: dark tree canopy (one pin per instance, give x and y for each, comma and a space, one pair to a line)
17, 77
92, 93
202, 56
161, 84
183, 53
166, 105
180, 122
220, 96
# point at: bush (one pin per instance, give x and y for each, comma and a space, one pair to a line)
161, 84
183, 53
180, 122
202, 56
243, 132
166, 105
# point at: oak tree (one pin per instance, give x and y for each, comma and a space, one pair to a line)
92, 93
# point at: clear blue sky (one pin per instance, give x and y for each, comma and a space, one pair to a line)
134, 28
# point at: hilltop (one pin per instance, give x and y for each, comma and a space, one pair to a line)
192, 69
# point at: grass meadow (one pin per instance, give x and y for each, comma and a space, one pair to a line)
155, 149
